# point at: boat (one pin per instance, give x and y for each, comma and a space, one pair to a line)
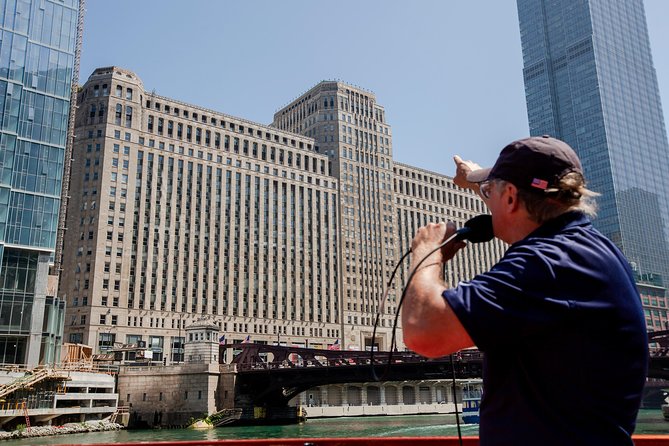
639, 440
471, 401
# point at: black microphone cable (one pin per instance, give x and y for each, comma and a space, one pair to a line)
379, 311
393, 341
455, 399
477, 229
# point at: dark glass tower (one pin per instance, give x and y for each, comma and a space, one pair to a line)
590, 80
38, 45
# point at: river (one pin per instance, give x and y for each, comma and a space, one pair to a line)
650, 421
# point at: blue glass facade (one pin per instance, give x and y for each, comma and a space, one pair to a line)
37, 53
590, 80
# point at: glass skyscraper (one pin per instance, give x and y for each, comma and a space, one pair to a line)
590, 80
38, 46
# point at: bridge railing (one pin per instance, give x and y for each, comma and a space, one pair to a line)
253, 357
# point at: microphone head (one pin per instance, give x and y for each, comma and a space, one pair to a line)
477, 229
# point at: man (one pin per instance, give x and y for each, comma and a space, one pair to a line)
558, 317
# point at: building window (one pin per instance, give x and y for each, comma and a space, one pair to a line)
128, 117
76, 338
106, 340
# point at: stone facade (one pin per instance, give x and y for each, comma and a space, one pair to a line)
202, 343
169, 395
281, 234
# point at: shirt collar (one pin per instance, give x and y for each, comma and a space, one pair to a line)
565, 221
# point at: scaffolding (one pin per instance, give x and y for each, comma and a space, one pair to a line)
69, 144
32, 378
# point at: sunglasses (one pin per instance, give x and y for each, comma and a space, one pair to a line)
485, 188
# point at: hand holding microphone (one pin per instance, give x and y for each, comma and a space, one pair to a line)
476, 230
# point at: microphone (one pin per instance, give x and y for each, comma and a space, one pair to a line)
477, 229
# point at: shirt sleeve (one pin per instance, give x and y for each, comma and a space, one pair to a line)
520, 296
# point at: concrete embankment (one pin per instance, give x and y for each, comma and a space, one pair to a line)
70, 428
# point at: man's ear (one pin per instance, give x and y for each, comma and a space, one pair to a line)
512, 197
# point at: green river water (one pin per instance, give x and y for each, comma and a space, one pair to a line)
650, 421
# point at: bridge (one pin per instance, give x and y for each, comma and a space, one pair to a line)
270, 375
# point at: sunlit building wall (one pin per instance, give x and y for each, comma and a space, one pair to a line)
181, 214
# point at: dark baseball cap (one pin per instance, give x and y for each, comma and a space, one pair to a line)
536, 163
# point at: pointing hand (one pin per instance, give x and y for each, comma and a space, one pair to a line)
462, 169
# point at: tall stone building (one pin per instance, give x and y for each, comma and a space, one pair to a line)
350, 128
280, 234
376, 222
39, 49
590, 80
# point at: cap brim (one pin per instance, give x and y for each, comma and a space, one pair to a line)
478, 176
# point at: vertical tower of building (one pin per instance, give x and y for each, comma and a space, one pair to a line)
38, 47
349, 126
590, 80
381, 205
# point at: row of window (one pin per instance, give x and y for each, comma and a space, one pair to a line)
221, 123
236, 145
99, 90
439, 196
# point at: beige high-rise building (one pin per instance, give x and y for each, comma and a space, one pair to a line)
283, 234
381, 204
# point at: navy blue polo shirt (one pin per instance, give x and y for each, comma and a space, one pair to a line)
560, 321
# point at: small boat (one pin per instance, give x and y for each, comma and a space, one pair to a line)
665, 405
471, 401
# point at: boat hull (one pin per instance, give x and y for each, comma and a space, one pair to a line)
639, 440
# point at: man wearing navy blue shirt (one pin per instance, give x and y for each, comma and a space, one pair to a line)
558, 318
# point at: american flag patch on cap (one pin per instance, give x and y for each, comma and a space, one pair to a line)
539, 184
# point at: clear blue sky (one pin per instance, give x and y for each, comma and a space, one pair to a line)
448, 72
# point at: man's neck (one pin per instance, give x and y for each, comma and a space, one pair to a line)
521, 228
